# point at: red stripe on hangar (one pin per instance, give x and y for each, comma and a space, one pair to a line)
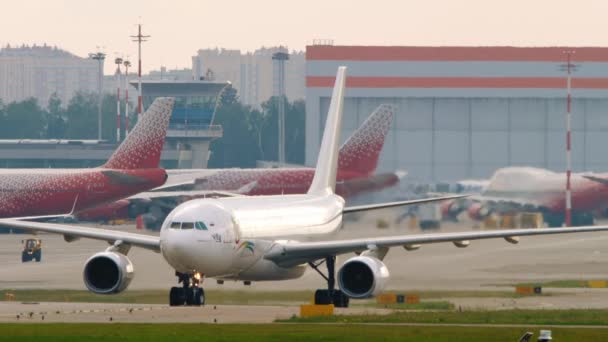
444, 53
458, 82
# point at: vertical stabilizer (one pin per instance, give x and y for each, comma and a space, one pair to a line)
324, 181
142, 147
360, 153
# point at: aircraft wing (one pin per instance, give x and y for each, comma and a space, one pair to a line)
179, 194
294, 253
71, 233
179, 178
399, 203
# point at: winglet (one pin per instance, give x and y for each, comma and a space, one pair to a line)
142, 147
324, 181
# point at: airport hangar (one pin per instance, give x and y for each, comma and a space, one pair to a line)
463, 112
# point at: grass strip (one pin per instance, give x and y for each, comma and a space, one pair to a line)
532, 317
275, 332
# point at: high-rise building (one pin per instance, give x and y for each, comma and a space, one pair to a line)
40, 71
252, 74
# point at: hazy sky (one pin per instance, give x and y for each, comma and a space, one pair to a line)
180, 27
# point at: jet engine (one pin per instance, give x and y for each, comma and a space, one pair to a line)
451, 209
363, 277
108, 272
478, 211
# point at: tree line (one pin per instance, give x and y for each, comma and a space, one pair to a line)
249, 134
27, 119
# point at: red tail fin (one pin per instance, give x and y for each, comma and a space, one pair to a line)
142, 147
361, 151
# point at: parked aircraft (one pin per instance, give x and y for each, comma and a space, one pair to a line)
358, 158
530, 189
132, 168
266, 238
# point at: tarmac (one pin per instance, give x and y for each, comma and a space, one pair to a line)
484, 265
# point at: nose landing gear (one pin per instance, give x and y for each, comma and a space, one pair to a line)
190, 293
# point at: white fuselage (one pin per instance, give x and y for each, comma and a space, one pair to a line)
228, 237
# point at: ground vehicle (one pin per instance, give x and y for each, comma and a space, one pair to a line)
429, 216
32, 249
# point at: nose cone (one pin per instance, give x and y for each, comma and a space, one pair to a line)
199, 235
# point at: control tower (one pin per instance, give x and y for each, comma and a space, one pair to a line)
191, 128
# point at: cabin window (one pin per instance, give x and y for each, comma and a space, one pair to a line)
187, 225
200, 225
175, 225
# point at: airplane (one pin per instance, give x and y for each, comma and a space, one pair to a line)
131, 169
358, 159
267, 238
531, 189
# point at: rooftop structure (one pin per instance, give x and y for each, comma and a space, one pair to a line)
191, 128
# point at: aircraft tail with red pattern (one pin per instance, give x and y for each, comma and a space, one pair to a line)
142, 147
361, 151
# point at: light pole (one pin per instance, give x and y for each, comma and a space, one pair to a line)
281, 58
99, 57
127, 65
118, 62
569, 68
139, 38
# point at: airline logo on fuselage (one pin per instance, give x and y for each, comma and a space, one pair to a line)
246, 248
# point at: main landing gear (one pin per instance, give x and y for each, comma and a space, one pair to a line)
190, 293
331, 295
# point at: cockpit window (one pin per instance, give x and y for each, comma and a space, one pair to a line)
187, 225
176, 225
200, 225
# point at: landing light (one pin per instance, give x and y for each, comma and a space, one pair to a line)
197, 275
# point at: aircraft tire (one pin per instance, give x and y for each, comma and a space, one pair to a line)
340, 299
198, 296
322, 297
177, 296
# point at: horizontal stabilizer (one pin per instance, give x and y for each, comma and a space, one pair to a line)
600, 180
122, 178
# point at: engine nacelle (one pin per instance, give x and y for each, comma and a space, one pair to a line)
363, 277
108, 272
478, 212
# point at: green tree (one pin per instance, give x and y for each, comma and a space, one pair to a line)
238, 147
82, 117
295, 122
56, 125
22, 120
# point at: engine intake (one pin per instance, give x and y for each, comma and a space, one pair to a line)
363, 277
108, 272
